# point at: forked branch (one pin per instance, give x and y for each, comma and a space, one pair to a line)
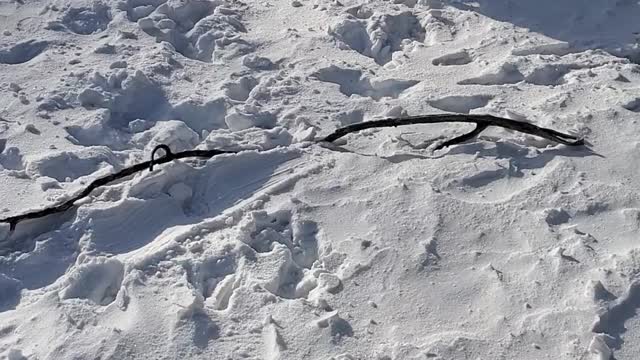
482, 122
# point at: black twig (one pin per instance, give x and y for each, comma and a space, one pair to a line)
462, 138
481, 121
169, 156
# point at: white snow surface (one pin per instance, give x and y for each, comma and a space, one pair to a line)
379, 247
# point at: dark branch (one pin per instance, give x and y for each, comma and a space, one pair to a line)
462, 138
169, 156
481, 121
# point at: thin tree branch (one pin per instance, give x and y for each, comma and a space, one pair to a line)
462, 138
481, 121
169, 156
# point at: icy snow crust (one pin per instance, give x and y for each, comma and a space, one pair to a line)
505, 247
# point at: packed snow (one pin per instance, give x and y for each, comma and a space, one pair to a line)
381, 247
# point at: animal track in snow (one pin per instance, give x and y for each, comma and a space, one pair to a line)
64, 166
22, 52
380, 35
509, 167
239, 91
255, 62
555, 217
461, 104
458, 58
133, 99
633, 105
11, 159
173, 133
279, 252
430, 257
83, 20
128, 97
360, 12
338, 327
197, 29
138, 224
510, 73
10, 289
354, 82
558, 49
285, 247
611, 322
505, 74
207, 274
137, 9
201, 116
345, 118
551, 74
261, 229
279, 274
98, 281
254, 93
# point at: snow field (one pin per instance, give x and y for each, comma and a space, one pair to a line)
505, 247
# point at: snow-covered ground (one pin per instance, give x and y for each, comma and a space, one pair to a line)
505, 247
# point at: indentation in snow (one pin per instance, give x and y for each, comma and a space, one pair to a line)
83, 20
98, 280
353, 81
556, 216
360, 11
66, 166
138, 223
9, 292
239, 91
11, 159
505, 74
129, 98
278, 273
22, 52
201, 116
557, 48
137, 9
461, 104
612, 321
380, 35
197, 29
550, 74
345, 118
261, 230
338, 327
457, 58
207, 273
633, 105
255, 62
